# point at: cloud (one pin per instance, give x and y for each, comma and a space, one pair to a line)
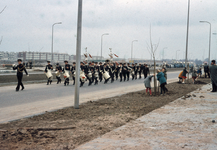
30, 22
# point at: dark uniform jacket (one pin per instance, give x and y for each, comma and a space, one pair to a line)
59, 68
213, 73
48, 67
67, 67
20, 68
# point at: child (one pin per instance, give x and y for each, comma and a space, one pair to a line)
162, 80
194, 75
180, 77
147, 83
184, 75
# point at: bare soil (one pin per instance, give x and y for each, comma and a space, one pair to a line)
68, 128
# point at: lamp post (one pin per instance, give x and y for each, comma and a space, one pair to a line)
176, 54
209, 37
101, 43
186, 52
132, 50
52, 38
78, 55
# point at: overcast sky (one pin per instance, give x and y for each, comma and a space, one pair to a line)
26, 25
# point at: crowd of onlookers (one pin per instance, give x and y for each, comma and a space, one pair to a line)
209, 71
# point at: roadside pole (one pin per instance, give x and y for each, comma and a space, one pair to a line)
78, 55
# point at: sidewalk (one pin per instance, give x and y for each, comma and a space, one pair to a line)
182, 124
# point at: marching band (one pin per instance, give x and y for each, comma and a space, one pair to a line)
95, 72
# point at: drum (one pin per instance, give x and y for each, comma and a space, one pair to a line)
89, 75
132, 73
82, 77
49, 74
106, 75
96, 74
66, 74
57, 73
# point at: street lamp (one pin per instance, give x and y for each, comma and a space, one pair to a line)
186, 52
209, 37
78, 55
52, 38
163, 51
132, 50
101, 43
176, 54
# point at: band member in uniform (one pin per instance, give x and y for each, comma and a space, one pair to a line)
89, 72
96, 73
140, 71
128, 71
133, 71
117, 68
136, 70
47, 68
67, 68
121, 72
125, 70
145, 70
73, 72
82, 68
111, 72
20, 68
100, 71
59, 69
105, 68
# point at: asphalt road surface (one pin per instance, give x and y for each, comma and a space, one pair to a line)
43, 92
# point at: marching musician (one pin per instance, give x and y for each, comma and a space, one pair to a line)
67, 68
105, 68
20, 68
88, 73
117, 67
48, 67
82, 68
73, 69
133, 71
111, 72
145, 70
140, 71
121, 72
59, 69
96, 73
128, 71
100, 71
125, 70
135, 67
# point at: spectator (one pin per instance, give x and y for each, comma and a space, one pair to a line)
199, 72
147, 83
194, 75
206, 70
184, 75
213, 74
162, 80
180, 77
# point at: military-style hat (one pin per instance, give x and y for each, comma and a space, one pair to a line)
57, 64
89, 63
96, 62
124, 63
105, 63
73, 63
120, 63
132, 64
128, 63
66, 61
100, 62
48, 61
19, 60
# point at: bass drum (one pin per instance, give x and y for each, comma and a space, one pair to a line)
66, 74
96, 74
89, 75
106, 75
82, 77
49, 74
57, 73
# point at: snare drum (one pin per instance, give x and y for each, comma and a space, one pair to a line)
66, 74
49, 74
106, 75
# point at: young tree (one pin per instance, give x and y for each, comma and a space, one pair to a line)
152, 48
0, 13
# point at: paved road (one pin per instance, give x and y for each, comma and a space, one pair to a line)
38, 98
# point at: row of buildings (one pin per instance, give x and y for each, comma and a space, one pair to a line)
40, 56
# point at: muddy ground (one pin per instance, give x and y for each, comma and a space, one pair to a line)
67, 128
